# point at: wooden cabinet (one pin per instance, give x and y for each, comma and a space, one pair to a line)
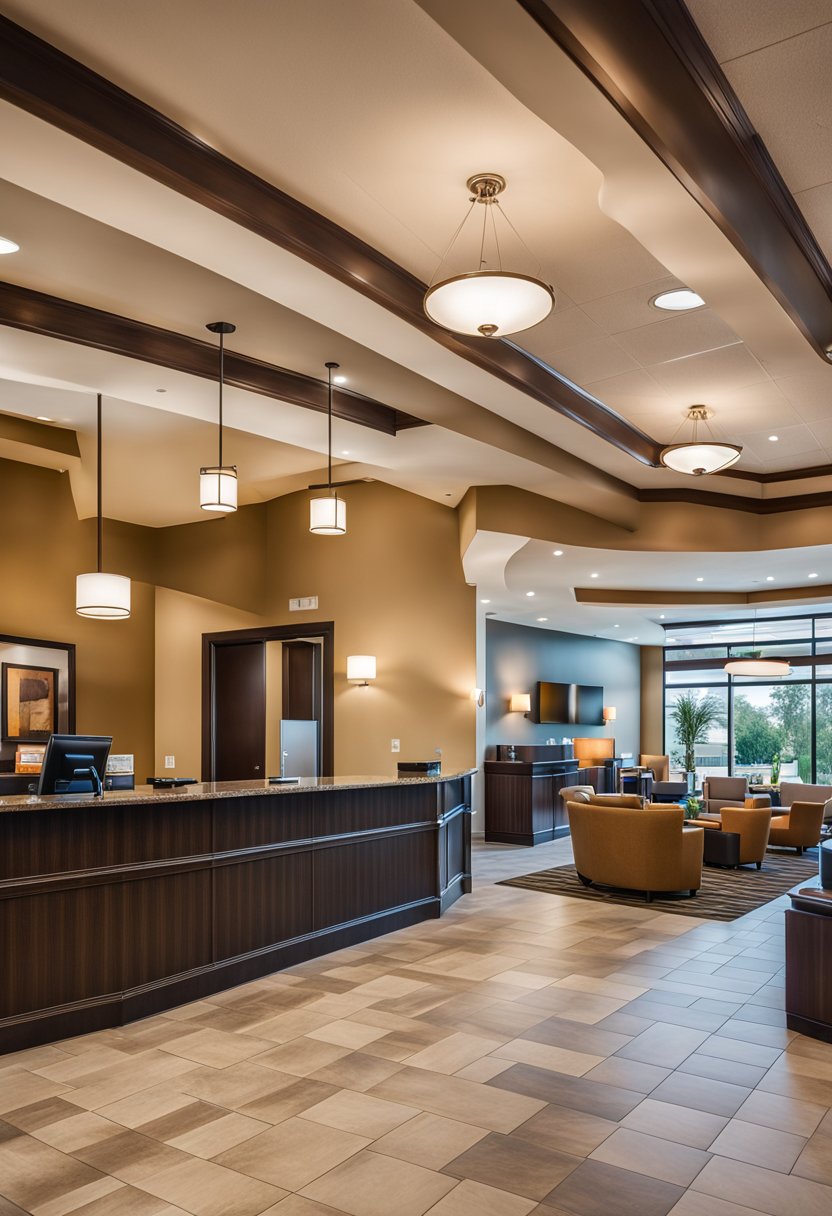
522, 800
809, 963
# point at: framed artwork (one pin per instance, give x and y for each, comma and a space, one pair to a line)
29, 701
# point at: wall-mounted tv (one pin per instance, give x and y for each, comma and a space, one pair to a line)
569, 704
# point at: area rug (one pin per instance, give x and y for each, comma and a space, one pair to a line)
724, 894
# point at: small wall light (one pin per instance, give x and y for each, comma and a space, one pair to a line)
610, 713
478, 696
520, 703
361, 668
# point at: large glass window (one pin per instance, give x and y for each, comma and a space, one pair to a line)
757, 728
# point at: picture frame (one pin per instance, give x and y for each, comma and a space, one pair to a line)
28, 703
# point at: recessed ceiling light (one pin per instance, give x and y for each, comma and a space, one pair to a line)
661, 616
529, 594
812, 575
594, 574
769, 578
485, 601
699, 579
543, 618
773, 438
616, 626
679, 300
7, 245
161, 390
43, 418
557, 552
339, 379
345, 452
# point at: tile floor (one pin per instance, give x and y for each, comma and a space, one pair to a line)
527, 1053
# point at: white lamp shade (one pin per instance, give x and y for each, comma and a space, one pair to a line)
218, 489
489, 303
758, 667
520, 703
328, 516
103, 596
361, 667
696, 459
610, 713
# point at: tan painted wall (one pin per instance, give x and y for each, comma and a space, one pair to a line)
652, 723
181, 621
44, 547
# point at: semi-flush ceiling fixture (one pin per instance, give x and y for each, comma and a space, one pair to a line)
753, 664
218, 483
7, 245
328, 514
103, 596
488, 302
681, 299
700, 456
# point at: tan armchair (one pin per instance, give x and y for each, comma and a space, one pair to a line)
658, 765
640, 849
752, 826
718, 792
800, 828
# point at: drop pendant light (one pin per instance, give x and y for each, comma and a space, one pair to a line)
753, 663
700, 456
328, 514
218, 483
102, 596
488, 303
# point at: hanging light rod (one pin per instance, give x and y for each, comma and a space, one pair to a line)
336, 485
218, 483
698, 457
328, 514
102, 596
488, 303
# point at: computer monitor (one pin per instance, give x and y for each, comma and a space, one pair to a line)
74, 764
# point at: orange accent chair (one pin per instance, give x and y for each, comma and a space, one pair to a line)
658, 765
639, 849
751, 824
799, 828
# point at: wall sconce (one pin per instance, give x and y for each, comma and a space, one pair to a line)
361, 668
610, 713
520, 703
478, 696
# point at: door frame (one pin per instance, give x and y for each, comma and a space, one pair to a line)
271, 633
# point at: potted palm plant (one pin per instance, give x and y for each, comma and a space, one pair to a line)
692, 717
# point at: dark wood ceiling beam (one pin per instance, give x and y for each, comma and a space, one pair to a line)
735, 502
22, 308
651, 61
41, 79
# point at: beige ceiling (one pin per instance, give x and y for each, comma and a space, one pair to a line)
374, 114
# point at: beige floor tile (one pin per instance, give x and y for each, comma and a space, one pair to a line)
429, 1140
284, 1027
663, 1159
495, 1109
474, 1199
130, 1156
513, 1164
628, 1074
360, 1113
663, 1044
34, 1174
483, 1070
356, 1071
693, 1203
293, 1153
775, 1150
207, 1189
523, 979
696, 1128
216, 1048
296, 1205
77, 1131
24, 1088
344, 1033
142, 1107
288, 1100
218, 1135
364, 1185
783, 1114
763, 1190
451, 1053
566, 1131
235, 1086
90, 1196
301, 1056
542, 1055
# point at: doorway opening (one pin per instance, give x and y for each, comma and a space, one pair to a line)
268, 702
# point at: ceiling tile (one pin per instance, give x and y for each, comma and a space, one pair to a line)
715, 372
675, 337
816, 205
634, 391
792, 441
785, 89
596, 360
811, 395
560, 330
733, 29
631, 308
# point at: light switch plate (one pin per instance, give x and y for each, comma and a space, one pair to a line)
395, 745
170, 762
303, 603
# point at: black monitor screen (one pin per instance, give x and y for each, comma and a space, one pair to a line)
590, 705
74, 764
570, 704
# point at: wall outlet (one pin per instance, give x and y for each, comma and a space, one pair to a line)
303, 603
170, 761
395, 745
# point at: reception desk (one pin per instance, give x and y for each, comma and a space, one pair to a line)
118, 907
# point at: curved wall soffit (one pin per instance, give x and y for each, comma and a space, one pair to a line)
487, 557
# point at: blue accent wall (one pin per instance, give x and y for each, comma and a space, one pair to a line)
517, 656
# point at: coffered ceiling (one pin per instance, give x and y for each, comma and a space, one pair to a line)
374, 113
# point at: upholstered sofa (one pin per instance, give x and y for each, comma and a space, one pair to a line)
636, 848
796, 791
718, 792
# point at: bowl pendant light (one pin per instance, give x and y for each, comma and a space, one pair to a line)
218, 483
100, 595
753, 663
328, 514
700, 456
488, 303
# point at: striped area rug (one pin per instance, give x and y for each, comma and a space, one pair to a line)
724, 894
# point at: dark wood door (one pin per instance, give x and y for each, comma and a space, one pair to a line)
302, 681
239, 711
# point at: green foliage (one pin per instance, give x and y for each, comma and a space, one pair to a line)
693, 715
755, 739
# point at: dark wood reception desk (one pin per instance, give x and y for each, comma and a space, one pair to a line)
119, 907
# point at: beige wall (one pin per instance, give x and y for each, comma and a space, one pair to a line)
652, 721
44, 547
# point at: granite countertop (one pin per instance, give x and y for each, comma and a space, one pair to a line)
146, 795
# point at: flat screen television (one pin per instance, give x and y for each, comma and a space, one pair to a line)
569, 704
